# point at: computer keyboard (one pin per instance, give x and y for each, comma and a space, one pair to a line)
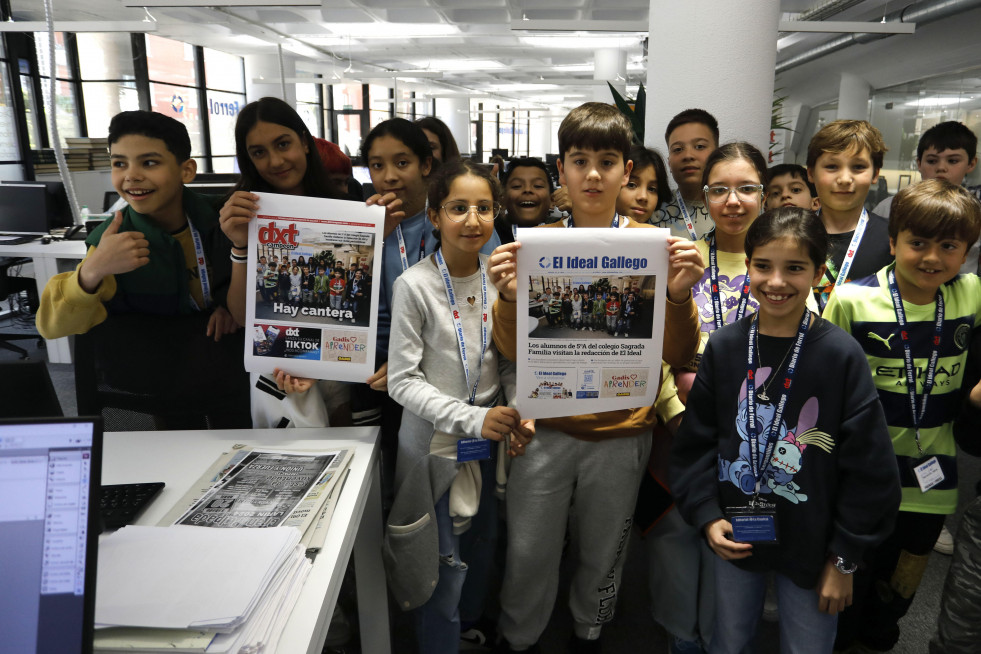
120, 504
15, 239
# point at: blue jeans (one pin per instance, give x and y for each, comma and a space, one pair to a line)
739, 604
465, 562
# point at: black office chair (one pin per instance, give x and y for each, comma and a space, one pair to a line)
142, 372
10, 285
26, 391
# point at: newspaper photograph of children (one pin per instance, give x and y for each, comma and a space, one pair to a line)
324, 278
583, 307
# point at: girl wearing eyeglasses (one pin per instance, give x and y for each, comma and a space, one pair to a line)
454, 386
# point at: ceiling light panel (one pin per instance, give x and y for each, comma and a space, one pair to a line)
479, 16
580, 41
392, 30
552, 14
345, 15
412, 15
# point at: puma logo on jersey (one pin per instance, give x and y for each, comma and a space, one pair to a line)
884, 341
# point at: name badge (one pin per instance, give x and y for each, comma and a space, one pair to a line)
928, 474
473, 449
753, 525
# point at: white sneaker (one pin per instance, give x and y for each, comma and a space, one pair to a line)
945, 542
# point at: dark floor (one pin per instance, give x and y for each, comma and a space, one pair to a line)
633, 630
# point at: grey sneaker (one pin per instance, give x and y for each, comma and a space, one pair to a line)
945, 542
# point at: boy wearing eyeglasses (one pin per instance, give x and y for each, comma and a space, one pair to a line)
843, 162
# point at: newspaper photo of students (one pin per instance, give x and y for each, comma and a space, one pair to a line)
317, 281
597, 307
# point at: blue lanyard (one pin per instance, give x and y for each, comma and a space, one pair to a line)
202, 267
458, 323
938, 329
614, 225
846, 262
716, 299
773, 431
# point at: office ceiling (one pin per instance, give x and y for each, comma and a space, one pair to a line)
478, 46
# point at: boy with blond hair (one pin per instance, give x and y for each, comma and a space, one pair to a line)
843, 161
914, 319
592, 461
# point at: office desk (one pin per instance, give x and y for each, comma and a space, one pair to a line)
179, 458
49, 260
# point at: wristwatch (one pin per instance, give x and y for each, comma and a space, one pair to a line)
844, 566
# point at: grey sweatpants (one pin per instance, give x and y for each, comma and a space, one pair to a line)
601, 479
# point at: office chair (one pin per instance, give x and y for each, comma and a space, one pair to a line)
9, 286
26, 391
143, 372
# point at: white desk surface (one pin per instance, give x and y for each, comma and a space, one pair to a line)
179, 458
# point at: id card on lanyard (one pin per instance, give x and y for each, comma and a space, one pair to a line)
468, 449
716, 297
754, 523
202, 268
927, 470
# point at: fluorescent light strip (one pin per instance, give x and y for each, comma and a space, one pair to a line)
80, 26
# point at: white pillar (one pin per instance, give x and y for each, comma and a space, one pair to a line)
266, 67
853, 97
609, 65
455, 112
726, 69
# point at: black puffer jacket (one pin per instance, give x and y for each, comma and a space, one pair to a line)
959, 624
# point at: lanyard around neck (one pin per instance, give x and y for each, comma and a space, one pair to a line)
614, 225
202, 267
846, 262
773, 429
458, 322
687, 217
402, 254
716, 297
897, 305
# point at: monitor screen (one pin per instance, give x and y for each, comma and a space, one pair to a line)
361, 174
59, 211
49, 478
24, 209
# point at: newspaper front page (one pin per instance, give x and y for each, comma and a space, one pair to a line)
263, 489
313, 309
590, 319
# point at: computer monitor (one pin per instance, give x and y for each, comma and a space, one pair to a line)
49, 480
59, 210
24, 209
361, 174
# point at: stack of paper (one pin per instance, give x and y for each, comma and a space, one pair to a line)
228, 589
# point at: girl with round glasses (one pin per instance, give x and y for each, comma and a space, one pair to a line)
455, 386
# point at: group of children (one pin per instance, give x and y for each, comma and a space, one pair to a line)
592, 309
299, 284
819, 446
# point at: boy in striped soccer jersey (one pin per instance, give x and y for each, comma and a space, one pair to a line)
914, 319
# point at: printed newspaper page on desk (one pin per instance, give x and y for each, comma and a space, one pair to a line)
590, 319
312, 309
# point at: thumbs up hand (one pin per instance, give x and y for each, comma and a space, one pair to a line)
117, 253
